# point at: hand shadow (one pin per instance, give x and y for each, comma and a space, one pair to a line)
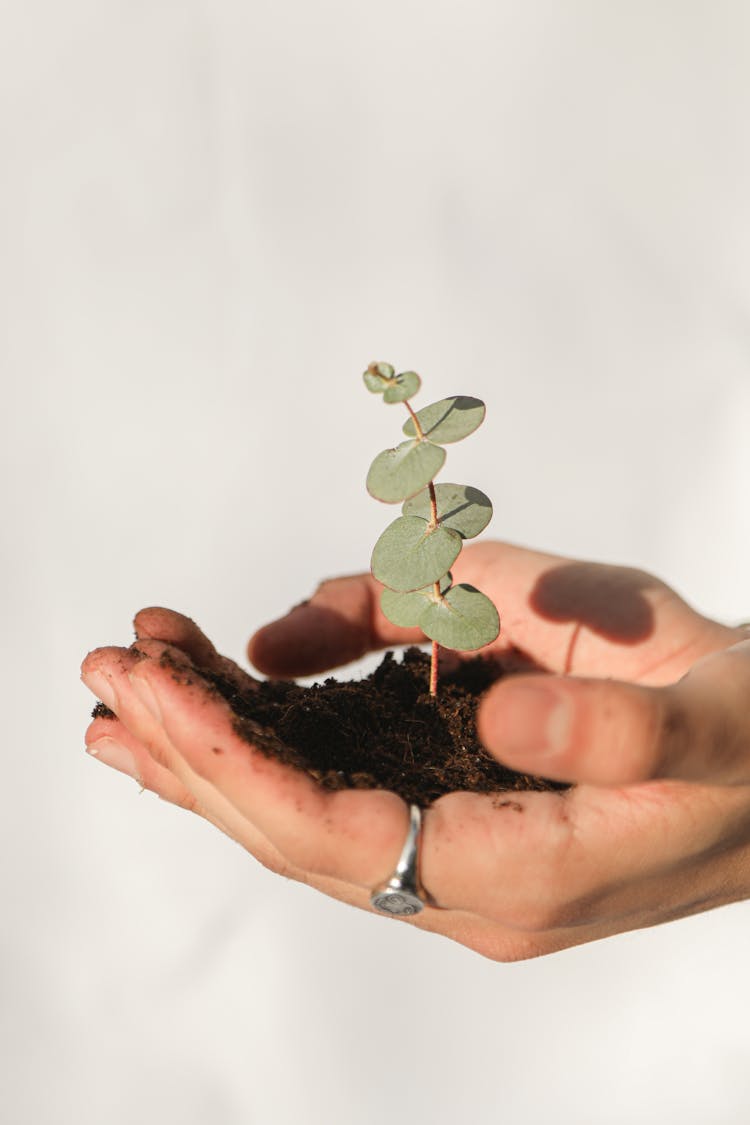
608, 600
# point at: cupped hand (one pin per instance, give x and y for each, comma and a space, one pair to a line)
642, 704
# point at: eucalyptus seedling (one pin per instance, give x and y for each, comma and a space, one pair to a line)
413, 556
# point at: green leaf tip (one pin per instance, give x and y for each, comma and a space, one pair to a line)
396, 474
449, 420
381, 379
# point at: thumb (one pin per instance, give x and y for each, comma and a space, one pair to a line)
340, 623
604, 732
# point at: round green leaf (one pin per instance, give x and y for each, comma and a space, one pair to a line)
449, 420
465, 619
376, 377
406, 609
408, 555
404, 386
374, 383
398, 473
460, 506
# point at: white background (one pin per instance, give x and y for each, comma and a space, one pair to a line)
213, 216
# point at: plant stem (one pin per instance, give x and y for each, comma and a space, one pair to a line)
434, 669
415, 420
435, 654
434, 521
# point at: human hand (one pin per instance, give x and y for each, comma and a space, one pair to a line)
632, 845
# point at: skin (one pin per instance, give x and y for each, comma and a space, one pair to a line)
633, 695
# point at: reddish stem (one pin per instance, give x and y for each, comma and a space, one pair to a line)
434, 669
415, 420
433, 523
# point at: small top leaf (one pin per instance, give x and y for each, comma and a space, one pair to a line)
464, 509
398, 473
449, 420
381, 379
377, 376
404, 386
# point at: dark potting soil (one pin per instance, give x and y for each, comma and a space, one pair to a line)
381, 732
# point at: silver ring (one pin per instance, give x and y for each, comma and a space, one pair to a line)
402, 894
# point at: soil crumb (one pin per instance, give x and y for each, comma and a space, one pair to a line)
102, 712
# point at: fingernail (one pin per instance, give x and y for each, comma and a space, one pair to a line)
532, 718
98, 683
146, 694
114, 754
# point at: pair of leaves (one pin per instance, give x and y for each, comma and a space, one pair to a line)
397, 474
461, 617
407, 609
381, 379
412, 552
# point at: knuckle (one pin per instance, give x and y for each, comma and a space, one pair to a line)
278, 864
159, 754
671, 732
186, 800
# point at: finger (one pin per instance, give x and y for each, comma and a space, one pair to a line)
581, 617
179, 631
544, 862
609, 733
340, 623
353, 835
110, 742
567, 616
155, 765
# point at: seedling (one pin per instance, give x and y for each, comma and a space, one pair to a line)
413, 556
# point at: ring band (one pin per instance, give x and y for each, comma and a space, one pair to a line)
402, 894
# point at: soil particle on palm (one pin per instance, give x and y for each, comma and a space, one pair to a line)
101, 711
381, 732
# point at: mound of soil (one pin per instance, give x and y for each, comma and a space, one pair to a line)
381, 732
